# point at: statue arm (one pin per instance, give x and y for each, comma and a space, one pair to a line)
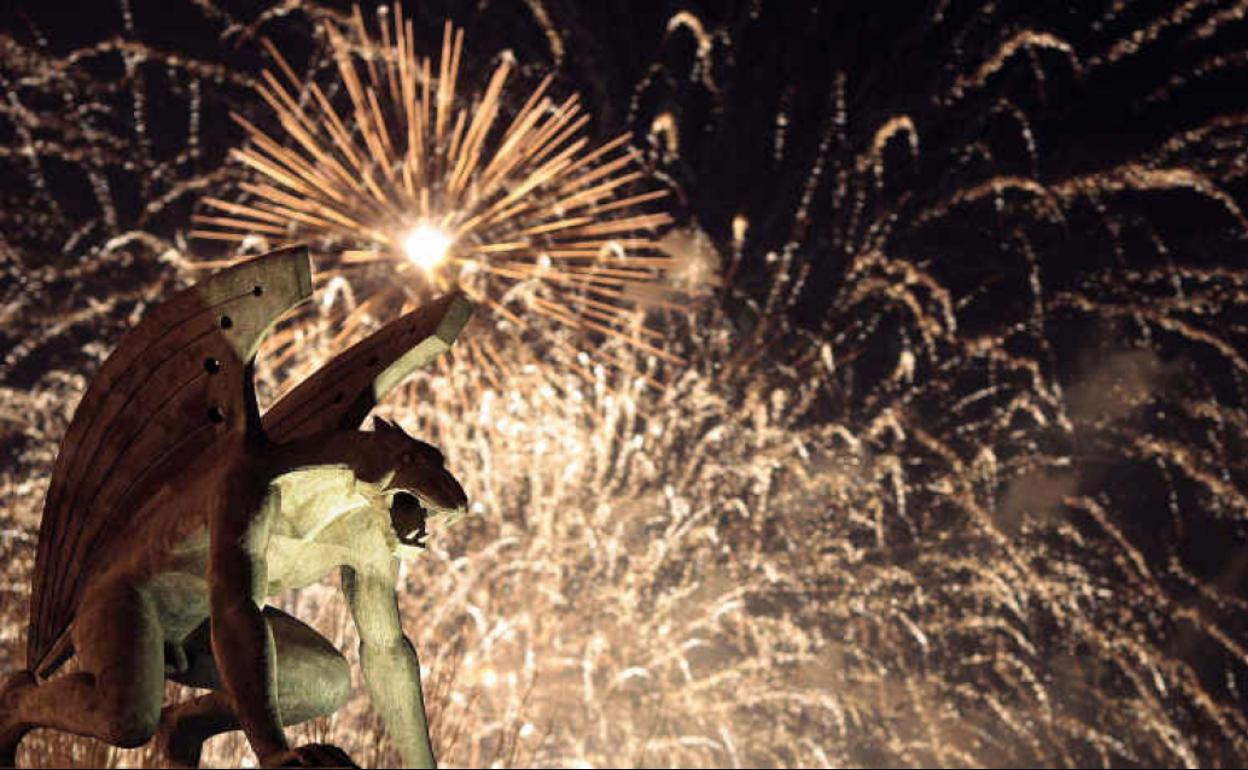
388, 658
242, 643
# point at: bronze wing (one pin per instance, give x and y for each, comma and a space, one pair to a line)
177, 385
341, 394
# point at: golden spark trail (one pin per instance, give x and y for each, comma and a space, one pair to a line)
408, 164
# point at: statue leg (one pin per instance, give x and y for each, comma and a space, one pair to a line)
116, 694
313, 680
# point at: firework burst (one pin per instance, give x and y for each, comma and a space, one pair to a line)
412, 182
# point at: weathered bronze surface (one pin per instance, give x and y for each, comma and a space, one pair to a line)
175, 510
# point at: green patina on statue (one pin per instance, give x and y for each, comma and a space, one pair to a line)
175, 510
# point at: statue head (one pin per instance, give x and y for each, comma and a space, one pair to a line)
421, 484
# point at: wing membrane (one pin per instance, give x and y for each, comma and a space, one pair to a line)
341, 394
177, 385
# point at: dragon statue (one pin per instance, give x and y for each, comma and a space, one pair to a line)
176, 509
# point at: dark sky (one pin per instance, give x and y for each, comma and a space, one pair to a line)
776, 58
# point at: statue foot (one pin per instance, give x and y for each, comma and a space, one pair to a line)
11, 729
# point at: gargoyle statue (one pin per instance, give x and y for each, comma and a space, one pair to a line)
174, 510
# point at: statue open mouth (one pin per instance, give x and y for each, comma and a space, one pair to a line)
409, 516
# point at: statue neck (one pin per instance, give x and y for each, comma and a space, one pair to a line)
358, 450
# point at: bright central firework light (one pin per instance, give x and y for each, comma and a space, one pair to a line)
530, 201
428, 247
